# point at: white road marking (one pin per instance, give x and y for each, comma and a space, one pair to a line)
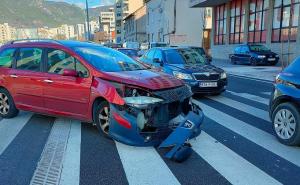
143, 165
251, 97
233, 167
9, 129
243, 107
71, 164
266, 93
253, 134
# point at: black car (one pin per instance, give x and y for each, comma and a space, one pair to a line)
188, 65
254, 54
285, 105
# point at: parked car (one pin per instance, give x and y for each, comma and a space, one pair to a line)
132, 53
131, 45
188, 65
285, 105
98, 85
254, 54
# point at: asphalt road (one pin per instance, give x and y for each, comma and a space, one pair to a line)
237, 146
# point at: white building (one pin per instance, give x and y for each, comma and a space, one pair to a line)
80, 30
174, 22
5, 33
107, 23
68, 31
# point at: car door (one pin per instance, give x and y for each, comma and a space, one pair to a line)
247, 57
26, 78
66, 95
237, 54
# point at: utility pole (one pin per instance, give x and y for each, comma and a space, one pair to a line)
88, 21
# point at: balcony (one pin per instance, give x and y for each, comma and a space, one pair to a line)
206, 3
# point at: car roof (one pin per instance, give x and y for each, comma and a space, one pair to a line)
49, 42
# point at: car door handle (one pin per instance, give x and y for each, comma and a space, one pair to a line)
13, 76
48, 81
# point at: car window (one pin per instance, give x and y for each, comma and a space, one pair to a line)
237, 50
59, 60
29, 59
150, 54
158, 54
6, 58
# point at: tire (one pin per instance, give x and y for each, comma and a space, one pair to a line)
253, 62
102, 118
7, 105
283, 129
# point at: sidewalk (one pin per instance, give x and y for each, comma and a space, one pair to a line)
261, 72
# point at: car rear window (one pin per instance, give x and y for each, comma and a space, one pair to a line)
6, 58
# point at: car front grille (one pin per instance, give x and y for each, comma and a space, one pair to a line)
175, 94
206, 77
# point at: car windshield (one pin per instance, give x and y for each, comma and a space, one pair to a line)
129, 52
200, 51
258, 48
184, 56
108, 60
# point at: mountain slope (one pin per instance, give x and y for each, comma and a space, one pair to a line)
37, 13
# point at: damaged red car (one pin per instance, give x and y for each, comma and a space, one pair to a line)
102, 86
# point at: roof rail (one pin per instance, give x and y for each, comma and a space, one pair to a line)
34, 40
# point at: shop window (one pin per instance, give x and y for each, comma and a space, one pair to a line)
258, 16
220, 24
237, 22
285, 20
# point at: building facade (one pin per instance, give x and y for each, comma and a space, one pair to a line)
135, 26
274, 23
5, 33
122, 9
174, 22
107, 24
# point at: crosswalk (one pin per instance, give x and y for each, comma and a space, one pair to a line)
237, 146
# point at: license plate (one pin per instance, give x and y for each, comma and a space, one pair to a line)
271, 59
208, 84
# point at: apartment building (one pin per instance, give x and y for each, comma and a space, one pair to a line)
5, 33
122, 9
135, 26
274, 23
174, 22
107, 24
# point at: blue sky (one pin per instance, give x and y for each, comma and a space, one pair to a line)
92, 3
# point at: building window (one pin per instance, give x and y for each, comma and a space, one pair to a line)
285, 20
258, 16
220, 24
237, 22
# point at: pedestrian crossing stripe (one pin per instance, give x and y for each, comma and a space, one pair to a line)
251, 97
146, 166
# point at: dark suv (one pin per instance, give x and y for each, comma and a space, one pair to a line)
285, 105
253, 54
99, 85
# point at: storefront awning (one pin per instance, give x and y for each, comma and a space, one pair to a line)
206, 3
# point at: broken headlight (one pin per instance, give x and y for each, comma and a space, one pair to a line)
141, 101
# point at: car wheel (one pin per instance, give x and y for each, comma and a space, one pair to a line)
102, 118
286, 125
7, 105
253, 62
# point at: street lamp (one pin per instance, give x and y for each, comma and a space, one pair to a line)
88, 20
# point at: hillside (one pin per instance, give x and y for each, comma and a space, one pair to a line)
37, 13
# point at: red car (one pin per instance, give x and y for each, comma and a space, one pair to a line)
95, 84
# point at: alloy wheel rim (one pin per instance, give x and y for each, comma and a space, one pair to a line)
4, 104
104, 119
285, 124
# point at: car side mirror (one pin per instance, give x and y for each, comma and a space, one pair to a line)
70, 72
158, 61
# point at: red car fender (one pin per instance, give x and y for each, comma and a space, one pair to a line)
103, 89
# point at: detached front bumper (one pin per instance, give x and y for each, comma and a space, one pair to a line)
135, 137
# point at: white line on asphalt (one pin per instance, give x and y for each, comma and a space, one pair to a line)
266, 93
259, 113
143, 165
254, 79
253, 134
71, 163
251, 97
233, 167
9, 129
49, 167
